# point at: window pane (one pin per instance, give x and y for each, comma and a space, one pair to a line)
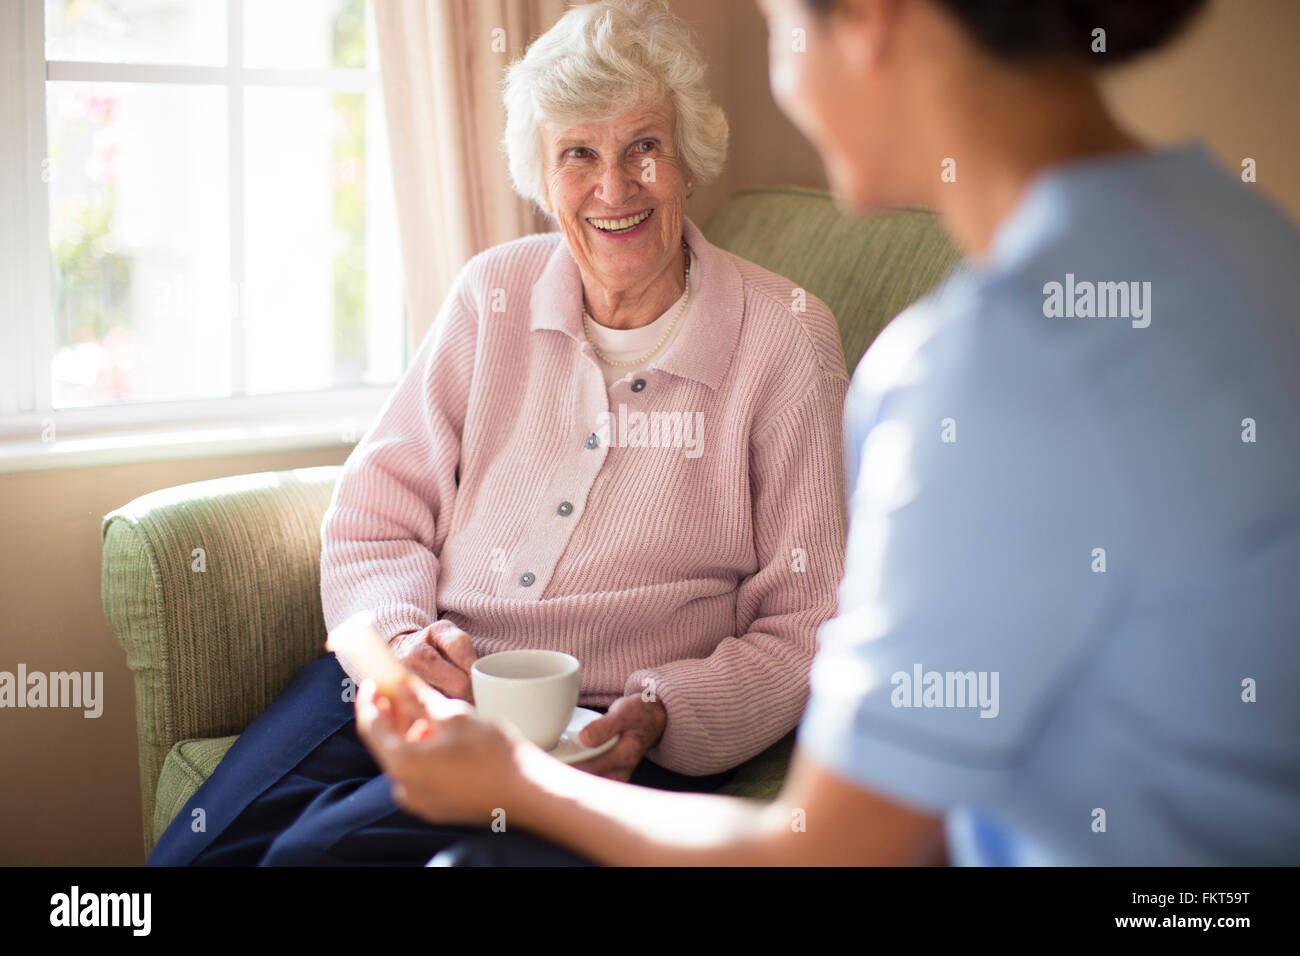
139, 240
307, 34
190, 32
323, 285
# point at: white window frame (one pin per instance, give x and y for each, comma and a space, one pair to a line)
33, 434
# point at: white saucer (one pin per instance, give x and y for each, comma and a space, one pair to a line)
570, 749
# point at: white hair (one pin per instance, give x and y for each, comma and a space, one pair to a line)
601, 60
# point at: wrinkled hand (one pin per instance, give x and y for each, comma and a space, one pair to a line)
442, 654
640, 724
447, 764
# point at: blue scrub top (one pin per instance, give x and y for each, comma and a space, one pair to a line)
1071, 603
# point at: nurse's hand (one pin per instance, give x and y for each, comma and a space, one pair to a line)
442, 654
447, 765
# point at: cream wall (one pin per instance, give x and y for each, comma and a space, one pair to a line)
1231, 80
70, 793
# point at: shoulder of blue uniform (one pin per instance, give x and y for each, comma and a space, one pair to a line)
1178, 211
784, 315
1205, 246
959, 298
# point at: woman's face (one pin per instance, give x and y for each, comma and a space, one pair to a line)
618, 189
830, 89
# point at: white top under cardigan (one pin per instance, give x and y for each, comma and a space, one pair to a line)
623, 345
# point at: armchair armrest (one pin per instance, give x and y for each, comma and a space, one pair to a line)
213, 590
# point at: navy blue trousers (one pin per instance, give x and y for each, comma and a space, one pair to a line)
298, 788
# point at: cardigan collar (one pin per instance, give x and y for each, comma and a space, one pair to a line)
710, 332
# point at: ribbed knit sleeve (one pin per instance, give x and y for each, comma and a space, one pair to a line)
751, 690
393, 500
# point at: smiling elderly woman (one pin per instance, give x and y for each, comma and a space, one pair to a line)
617, 441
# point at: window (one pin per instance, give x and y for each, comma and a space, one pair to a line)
213, 192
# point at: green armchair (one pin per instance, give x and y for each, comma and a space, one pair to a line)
213, 588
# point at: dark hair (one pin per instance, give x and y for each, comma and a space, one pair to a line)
1038, 29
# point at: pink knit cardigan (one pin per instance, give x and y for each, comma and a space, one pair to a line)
681, 533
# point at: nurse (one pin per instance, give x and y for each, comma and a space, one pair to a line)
1096, 521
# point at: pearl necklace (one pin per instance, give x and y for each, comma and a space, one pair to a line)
686, 295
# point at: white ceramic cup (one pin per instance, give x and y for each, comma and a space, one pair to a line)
534, 690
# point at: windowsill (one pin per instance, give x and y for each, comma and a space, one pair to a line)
164, 446
279, 425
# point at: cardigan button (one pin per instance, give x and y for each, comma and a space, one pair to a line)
638, 385
527, 579
565, 509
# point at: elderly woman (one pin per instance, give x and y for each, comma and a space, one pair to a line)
1127, 730
617, 441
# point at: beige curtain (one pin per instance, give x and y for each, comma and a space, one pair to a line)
442, 62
